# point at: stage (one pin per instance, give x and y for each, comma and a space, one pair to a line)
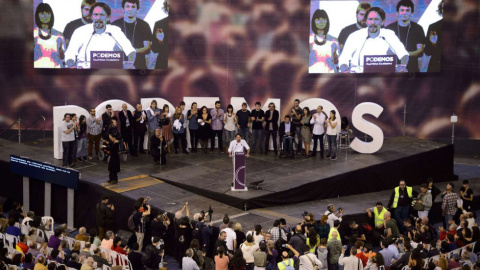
288, 181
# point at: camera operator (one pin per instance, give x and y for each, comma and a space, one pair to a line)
332, 215
183, 229
159, 225
139, 220
205, 230
307, 222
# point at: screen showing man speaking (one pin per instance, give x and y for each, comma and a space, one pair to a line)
375, 36
91, 34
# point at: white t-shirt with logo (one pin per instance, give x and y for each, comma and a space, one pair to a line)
66, 126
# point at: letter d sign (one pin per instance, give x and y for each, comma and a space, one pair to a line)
367, 127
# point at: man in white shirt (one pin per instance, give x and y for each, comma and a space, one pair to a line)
319, 123
332, 216
68, 140
98, 36
373, 40
231, 238
238, 145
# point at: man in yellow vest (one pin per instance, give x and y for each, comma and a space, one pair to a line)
378, 212
400, 203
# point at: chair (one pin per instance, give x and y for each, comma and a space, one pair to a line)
24, 229
70, 242
2, 237
40, 233
12, 240
113, 257
48, 218
343, 142
82, 244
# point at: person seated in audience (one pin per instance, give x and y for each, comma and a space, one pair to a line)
17, 259
32, 235
99, 257
11, 229
28, 263
82, 235
22, 244
454, 261
77, 246
74, 262
107, 242
135, 258
54, 241
28, 219
117, 241
52, 266
398, 264
151, 259
94, 239
85, 253
57, 255
4, 256
40, 263
88, 264
451, 245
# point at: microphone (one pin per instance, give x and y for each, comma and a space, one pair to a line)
359, 52
110, 34
88, 43
389, 46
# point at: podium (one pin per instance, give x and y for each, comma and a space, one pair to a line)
239, 172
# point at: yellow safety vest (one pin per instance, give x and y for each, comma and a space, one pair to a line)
330, 234
378, 217
397, 195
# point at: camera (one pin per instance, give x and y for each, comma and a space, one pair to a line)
305, 213
284, 245
210, 212
340, 209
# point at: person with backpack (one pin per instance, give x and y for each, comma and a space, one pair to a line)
139, 221
197, 255
308, 261
288, 261
298, 240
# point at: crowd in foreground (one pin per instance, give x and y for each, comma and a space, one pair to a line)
390, 241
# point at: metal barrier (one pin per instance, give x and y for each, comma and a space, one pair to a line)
19, 121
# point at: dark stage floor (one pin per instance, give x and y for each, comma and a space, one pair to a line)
213, 171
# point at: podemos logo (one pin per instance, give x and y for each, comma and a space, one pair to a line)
380, 59
107, 55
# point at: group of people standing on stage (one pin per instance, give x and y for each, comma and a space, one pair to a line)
94, 32
126, 131
369, 36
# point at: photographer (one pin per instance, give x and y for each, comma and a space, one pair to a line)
139, 221
308, 222
160, 225
332, 215
182, 230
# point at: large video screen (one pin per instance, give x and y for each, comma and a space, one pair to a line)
375, 36
107, 34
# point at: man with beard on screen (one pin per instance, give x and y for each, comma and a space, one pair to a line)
85, 19
98, 36
360, 24
373, 40
136, 30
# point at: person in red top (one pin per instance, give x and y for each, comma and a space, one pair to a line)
360, 254
451, 230
117, 241
22, 245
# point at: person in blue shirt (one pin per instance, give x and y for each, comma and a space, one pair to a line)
11, 229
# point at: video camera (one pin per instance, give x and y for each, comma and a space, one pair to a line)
209, 211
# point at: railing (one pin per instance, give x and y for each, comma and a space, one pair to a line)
19, 129
34, 122
18, 122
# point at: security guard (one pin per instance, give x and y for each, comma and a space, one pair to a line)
400, 202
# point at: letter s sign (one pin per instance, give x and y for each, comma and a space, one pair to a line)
367, 127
